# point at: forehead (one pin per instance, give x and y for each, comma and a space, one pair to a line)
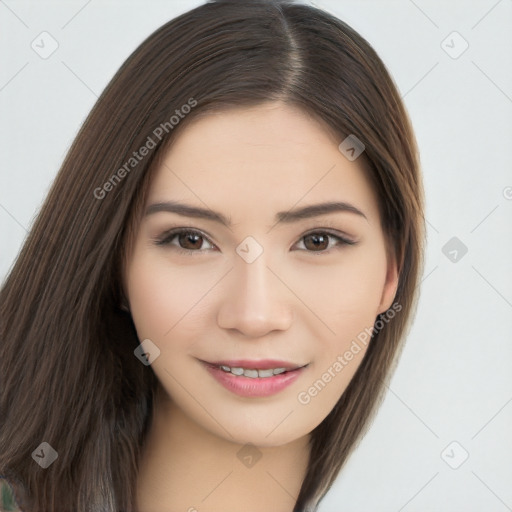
259, 160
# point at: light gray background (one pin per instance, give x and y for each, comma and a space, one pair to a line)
454, 381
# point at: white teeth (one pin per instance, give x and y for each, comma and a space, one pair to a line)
251, 373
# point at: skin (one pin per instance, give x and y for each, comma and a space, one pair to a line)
297, 301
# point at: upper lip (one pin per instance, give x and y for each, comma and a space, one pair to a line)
260, 364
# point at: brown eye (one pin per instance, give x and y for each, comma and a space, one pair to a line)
184, 240
190, 240
316, 241
320, 242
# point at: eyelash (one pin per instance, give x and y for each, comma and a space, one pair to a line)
166, 238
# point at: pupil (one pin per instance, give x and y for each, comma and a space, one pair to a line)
189, 237
317, 239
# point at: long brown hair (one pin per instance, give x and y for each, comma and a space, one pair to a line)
69, 375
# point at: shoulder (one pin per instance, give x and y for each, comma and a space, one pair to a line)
7, 498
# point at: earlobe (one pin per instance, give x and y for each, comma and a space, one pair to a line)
390, 287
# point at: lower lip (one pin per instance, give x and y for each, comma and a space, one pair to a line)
258, 387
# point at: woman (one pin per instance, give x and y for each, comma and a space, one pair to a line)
215, 292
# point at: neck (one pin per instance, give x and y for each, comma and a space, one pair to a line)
187, 468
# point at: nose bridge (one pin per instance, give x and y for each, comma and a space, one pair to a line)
253, 281
255, 301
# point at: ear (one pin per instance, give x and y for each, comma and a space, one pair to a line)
390, 285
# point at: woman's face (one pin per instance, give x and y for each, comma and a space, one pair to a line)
272, 289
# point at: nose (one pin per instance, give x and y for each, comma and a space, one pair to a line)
255, 300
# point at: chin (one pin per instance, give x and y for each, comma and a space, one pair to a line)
266, 435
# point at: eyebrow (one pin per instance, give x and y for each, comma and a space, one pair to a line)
291, 216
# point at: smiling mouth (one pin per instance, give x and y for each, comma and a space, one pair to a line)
256, 370
253, 373
255, 379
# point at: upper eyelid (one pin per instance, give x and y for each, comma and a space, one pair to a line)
172, 232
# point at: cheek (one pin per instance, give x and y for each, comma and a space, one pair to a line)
164, 297
345, 296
